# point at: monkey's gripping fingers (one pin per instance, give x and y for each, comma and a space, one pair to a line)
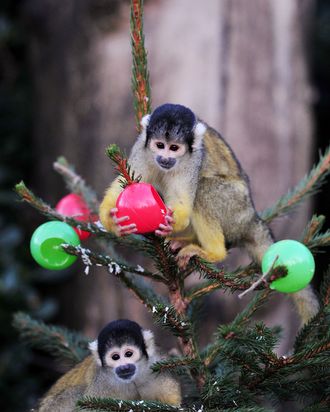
182, 218
166, 229
122, 230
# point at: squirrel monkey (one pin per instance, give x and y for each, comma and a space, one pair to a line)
199, 177
118, 367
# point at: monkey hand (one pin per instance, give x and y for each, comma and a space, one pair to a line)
108, 203
166, 229
182, 218
119, 229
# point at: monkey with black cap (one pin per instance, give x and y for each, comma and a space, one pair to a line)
118, 367
197, 174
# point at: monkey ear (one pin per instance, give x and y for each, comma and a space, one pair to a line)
93, 348
199, 131
144, 123
149, 341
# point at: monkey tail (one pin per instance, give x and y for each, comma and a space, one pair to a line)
306, 303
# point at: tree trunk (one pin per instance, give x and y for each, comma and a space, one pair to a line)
241, 65
83, 103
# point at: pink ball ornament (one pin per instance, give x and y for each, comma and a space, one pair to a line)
74, 206
143, 205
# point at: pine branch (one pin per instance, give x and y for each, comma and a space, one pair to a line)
313, 350
142, 290
175, 316
163, 313
314, 357
203, 289
114, 405
250, 349
238, 280
312, 236
325, 290
255, 304
28, 196
158, 249
166, 316
319, 240
178, 365
76, 184
322, 406
319, 326
140, 73
241, 279
225, 391
90, 258
214, 349
313, 228
123, 168
308, 186
59, 342
161, 253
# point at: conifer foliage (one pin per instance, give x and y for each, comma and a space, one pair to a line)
239, 369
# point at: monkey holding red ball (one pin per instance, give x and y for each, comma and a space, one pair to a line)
204, 187
199, 178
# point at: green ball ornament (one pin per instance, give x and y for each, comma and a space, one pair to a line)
298, 260
46, 244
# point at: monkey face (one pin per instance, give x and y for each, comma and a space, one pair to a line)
167, 153
123, 361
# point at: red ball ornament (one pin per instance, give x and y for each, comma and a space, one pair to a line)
74, 206
143, 205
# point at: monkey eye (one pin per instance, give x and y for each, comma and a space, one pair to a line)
115, 356
160, 145
174, 147
128, 354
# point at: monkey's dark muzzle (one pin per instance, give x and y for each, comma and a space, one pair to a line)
166, 162
126, 371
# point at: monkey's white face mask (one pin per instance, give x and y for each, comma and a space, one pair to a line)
169, 146
124, 359
167, 154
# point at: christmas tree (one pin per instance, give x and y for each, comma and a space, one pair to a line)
239, 369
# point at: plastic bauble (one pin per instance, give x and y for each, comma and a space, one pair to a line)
298, 261
74, 205
143, 205
46, 244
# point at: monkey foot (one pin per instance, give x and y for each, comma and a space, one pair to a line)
185, 255
177, 244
